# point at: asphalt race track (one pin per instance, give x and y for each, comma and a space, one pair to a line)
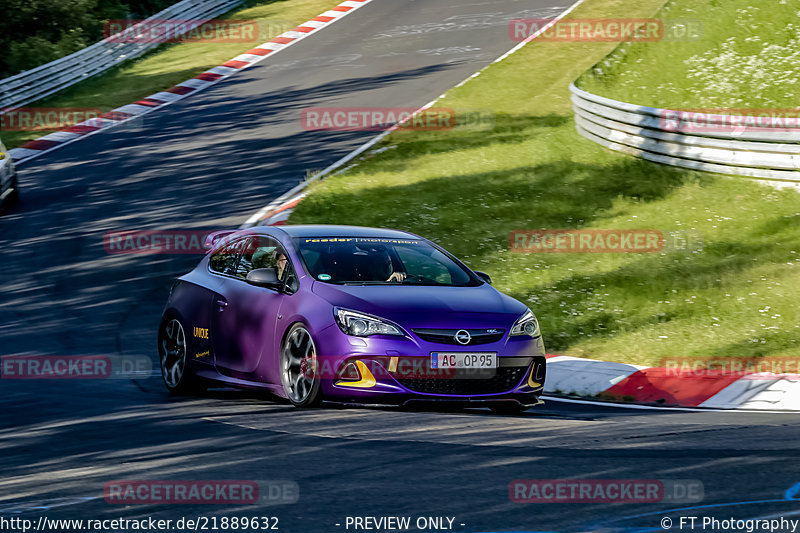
211, 160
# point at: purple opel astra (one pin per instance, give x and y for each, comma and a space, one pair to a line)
351, 315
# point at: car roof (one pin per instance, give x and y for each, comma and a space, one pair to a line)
324, 230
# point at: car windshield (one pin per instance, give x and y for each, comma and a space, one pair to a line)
380, 261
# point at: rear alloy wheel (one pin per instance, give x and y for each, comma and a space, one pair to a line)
299, 375
172, 350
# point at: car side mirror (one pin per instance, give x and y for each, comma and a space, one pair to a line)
484, 276
264, 277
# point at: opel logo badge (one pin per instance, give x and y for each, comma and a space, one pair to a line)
463, 336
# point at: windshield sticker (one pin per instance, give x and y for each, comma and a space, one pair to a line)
362, 240
324, 277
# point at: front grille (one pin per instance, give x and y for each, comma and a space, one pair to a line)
448, 336
505, 379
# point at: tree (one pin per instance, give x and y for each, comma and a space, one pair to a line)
34, 32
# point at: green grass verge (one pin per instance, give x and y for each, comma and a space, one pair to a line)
748, 57
171, 64
467, 189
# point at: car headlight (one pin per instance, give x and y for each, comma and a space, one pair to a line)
364, 325
526, 325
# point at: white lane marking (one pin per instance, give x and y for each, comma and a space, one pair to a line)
657, 408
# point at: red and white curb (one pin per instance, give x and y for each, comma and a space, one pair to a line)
202, 81
277, 213
573, 376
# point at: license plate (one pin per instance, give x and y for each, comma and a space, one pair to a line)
463, 360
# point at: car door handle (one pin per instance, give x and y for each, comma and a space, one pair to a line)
221, 305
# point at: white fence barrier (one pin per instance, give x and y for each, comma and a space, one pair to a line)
48, 79
737, 145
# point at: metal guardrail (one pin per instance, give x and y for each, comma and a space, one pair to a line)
64, 72
764, 153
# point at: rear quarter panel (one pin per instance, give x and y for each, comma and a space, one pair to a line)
191, 302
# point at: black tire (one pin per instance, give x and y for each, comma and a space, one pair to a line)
173, 360
298, 367
508, 408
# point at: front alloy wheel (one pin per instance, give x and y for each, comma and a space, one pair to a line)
299, 370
